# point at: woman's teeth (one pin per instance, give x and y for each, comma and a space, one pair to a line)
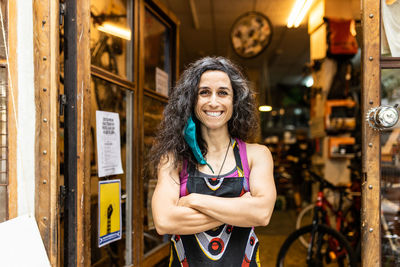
214, 114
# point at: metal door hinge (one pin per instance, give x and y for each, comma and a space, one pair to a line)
62, 13
63, 102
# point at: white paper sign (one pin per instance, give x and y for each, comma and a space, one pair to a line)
161, 81
108, 144
21, 243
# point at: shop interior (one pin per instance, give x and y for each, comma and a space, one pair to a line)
308, 90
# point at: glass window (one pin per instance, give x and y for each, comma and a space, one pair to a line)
157, 41
390, 174
112, 98
110, 36
153, 112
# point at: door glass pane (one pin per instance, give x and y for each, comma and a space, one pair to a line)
109, 97
153, 110
390, 174
390, 28
110, 35
157, 41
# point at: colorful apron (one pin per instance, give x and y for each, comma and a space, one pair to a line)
225, 245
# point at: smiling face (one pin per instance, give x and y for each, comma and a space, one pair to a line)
214, 106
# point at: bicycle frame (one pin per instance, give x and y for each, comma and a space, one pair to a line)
324, 205
320, 212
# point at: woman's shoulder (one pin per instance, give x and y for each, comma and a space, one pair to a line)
257, 151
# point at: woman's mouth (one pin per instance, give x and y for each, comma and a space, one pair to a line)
214, 113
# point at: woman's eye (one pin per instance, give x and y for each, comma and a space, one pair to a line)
203, 92
223, 92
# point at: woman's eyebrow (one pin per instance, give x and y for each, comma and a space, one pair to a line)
219, 88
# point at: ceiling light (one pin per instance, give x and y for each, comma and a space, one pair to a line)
298, 13
115, 30
264, 108
295, 11
308, 81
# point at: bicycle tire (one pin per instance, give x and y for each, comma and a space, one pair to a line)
323, 234
309, 210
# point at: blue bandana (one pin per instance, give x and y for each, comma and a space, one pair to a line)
191, 140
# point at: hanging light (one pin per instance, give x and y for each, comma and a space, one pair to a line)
115, 30
264, 108
298, 13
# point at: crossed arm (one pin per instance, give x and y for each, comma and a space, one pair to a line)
197, 212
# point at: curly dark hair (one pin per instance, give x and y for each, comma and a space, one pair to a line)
181, 104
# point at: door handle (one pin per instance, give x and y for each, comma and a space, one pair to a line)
383, 117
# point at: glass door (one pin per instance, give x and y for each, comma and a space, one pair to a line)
390, 169
160, 58
113, 91
390, 137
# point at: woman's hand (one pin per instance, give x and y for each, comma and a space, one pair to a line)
186, 200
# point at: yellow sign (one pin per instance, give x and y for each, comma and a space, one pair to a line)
109, 211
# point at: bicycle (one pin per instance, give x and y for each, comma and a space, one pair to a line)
347, 221
325, 245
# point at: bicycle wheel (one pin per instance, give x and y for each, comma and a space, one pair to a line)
329, 248
304, 218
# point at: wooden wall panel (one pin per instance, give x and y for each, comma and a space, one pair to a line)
46, 68
370, 213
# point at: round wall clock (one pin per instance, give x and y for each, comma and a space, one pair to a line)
250, 34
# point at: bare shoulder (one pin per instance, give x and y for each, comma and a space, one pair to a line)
257, 150
258, 153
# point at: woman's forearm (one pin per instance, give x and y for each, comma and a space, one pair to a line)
246, 211
183, 221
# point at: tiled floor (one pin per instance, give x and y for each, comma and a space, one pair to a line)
274, 234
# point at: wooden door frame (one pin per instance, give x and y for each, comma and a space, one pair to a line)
371, 97
46, 68
77, 127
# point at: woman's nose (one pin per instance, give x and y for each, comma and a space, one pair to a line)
213, 99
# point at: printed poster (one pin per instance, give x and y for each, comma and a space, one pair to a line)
108, 144
110, 217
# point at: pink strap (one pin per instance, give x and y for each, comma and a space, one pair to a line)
243, 157
183, 176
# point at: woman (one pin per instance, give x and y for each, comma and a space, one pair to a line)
212, 188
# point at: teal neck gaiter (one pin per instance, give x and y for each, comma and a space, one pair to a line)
191, 140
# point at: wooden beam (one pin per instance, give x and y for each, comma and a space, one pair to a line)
370, 212
46, 67
83, 107
77, 128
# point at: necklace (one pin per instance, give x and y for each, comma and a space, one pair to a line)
223, 162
